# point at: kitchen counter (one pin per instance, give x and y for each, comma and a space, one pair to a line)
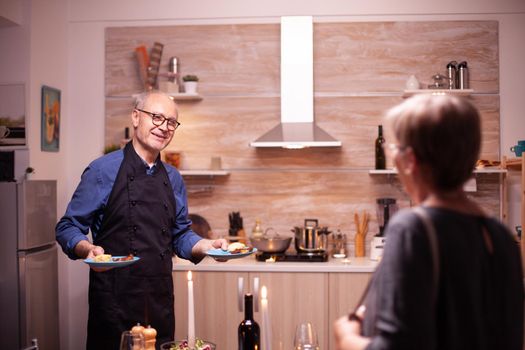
249, 264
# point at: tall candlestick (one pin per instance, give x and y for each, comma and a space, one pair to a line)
191, 314
267, 330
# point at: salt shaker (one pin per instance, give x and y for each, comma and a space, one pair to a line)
463, 75
451, 74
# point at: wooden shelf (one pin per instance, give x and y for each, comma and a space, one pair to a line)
179, 96
182, 96
458, 92
476, 171
514, 163
204, 172
383, 172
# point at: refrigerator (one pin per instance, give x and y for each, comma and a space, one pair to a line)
28, 266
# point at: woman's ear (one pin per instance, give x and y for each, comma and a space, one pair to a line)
410, 161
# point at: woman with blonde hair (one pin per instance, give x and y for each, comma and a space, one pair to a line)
451, 276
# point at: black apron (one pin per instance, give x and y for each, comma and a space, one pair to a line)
137, 220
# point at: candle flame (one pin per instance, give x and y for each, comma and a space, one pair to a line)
264, 292
189, 275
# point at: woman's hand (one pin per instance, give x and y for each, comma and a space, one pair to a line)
348, 332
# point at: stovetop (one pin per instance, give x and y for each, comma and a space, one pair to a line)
298, 257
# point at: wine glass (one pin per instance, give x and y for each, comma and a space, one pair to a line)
132, 341
305, 337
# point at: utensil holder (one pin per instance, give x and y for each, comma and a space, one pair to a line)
359, 242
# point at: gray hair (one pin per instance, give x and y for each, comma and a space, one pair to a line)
445, 134
142, 98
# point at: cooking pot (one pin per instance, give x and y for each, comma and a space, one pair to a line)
271, 244
311, 238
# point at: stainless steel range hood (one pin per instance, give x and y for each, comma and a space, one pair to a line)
297, 128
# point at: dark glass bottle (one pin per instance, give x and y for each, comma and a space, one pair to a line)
249, 334
380, 151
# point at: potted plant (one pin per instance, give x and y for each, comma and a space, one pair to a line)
110, 148
29, 171
190, 83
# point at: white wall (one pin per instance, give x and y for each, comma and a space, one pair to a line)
34, 52
11, 12
83, 92
48, 66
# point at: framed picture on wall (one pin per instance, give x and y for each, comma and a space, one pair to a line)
50, 128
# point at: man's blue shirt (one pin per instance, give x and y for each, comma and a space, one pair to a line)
86, 209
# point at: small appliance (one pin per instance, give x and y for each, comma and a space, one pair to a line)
386, 207
13, 163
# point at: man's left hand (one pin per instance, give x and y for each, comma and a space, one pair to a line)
201, 247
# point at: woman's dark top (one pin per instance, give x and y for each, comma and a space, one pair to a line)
479, 300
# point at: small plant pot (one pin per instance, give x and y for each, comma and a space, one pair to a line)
190, 87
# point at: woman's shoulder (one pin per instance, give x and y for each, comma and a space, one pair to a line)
404, 218
405, 224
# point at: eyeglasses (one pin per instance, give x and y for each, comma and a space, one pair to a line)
159, 119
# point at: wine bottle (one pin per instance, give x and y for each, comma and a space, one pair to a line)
249, 334
380, 152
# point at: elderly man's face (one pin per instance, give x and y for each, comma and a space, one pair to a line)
153, 138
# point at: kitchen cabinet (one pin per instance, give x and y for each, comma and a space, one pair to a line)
294, 297
345, 292
217, 315
519, 165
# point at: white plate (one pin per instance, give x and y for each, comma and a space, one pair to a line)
92, 263
220, 254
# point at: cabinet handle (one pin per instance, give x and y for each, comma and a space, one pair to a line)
240, 293
256, 294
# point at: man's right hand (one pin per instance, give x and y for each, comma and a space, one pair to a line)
84, 249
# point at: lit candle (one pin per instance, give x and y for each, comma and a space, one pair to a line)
191, 314
267, 330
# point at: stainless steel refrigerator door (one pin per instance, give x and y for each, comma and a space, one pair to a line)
37, 208
39, 298
8, 267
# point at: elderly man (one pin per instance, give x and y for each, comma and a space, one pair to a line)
134, 204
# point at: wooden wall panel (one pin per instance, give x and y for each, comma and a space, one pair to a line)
283, 199
360, 71
224, 127
227, 58
348, 57
380, 56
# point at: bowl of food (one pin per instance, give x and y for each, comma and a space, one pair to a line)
183, 345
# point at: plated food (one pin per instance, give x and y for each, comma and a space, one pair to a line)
238, 248
235, 250
183, 345
107, 260
102, 258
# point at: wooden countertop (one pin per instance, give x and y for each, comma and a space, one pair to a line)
249, 264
